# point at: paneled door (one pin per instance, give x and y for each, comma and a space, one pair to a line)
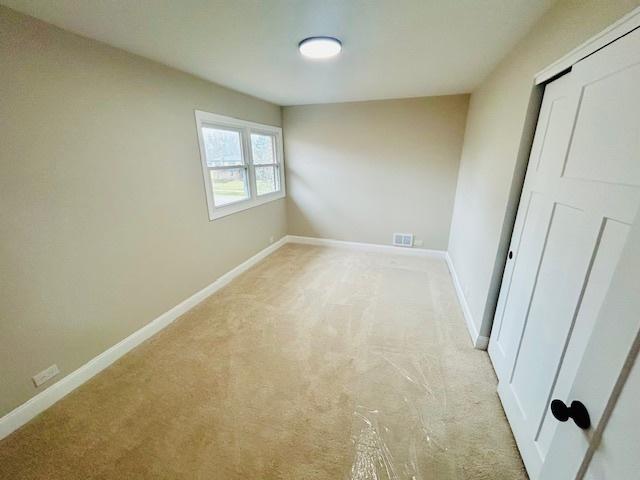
579, 202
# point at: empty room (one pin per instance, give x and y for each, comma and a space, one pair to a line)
319, 239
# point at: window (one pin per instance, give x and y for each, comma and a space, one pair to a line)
241, 163
263, 151
226, 166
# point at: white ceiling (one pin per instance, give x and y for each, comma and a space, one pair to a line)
392, 48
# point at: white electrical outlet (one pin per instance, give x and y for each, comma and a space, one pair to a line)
418, 242
45, 375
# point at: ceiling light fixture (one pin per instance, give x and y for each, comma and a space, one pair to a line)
320, 47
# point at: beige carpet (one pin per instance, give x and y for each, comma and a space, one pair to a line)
319, 363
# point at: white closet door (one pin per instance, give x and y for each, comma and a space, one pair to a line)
607, 361
580, 197
617, 456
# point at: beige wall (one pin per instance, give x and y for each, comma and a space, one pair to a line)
495, 153
103, 218
361, 171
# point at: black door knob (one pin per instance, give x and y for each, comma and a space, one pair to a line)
577, 411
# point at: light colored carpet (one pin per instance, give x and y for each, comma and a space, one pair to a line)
318, 363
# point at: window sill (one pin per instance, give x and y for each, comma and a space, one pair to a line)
227, 210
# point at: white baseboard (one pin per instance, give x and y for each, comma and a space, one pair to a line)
480, 342
36, 405
371, 247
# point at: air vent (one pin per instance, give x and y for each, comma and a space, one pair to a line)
403, 239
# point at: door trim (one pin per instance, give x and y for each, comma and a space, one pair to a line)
624, 25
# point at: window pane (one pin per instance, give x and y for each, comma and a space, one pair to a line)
267, 180
222, 147
262, 148
229, 185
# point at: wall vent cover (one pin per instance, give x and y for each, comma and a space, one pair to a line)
403, 239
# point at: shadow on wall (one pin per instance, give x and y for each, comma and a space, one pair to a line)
520, 170
315, 207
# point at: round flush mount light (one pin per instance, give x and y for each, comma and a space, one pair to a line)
320, 47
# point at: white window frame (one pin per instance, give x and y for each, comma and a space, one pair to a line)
245, 128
